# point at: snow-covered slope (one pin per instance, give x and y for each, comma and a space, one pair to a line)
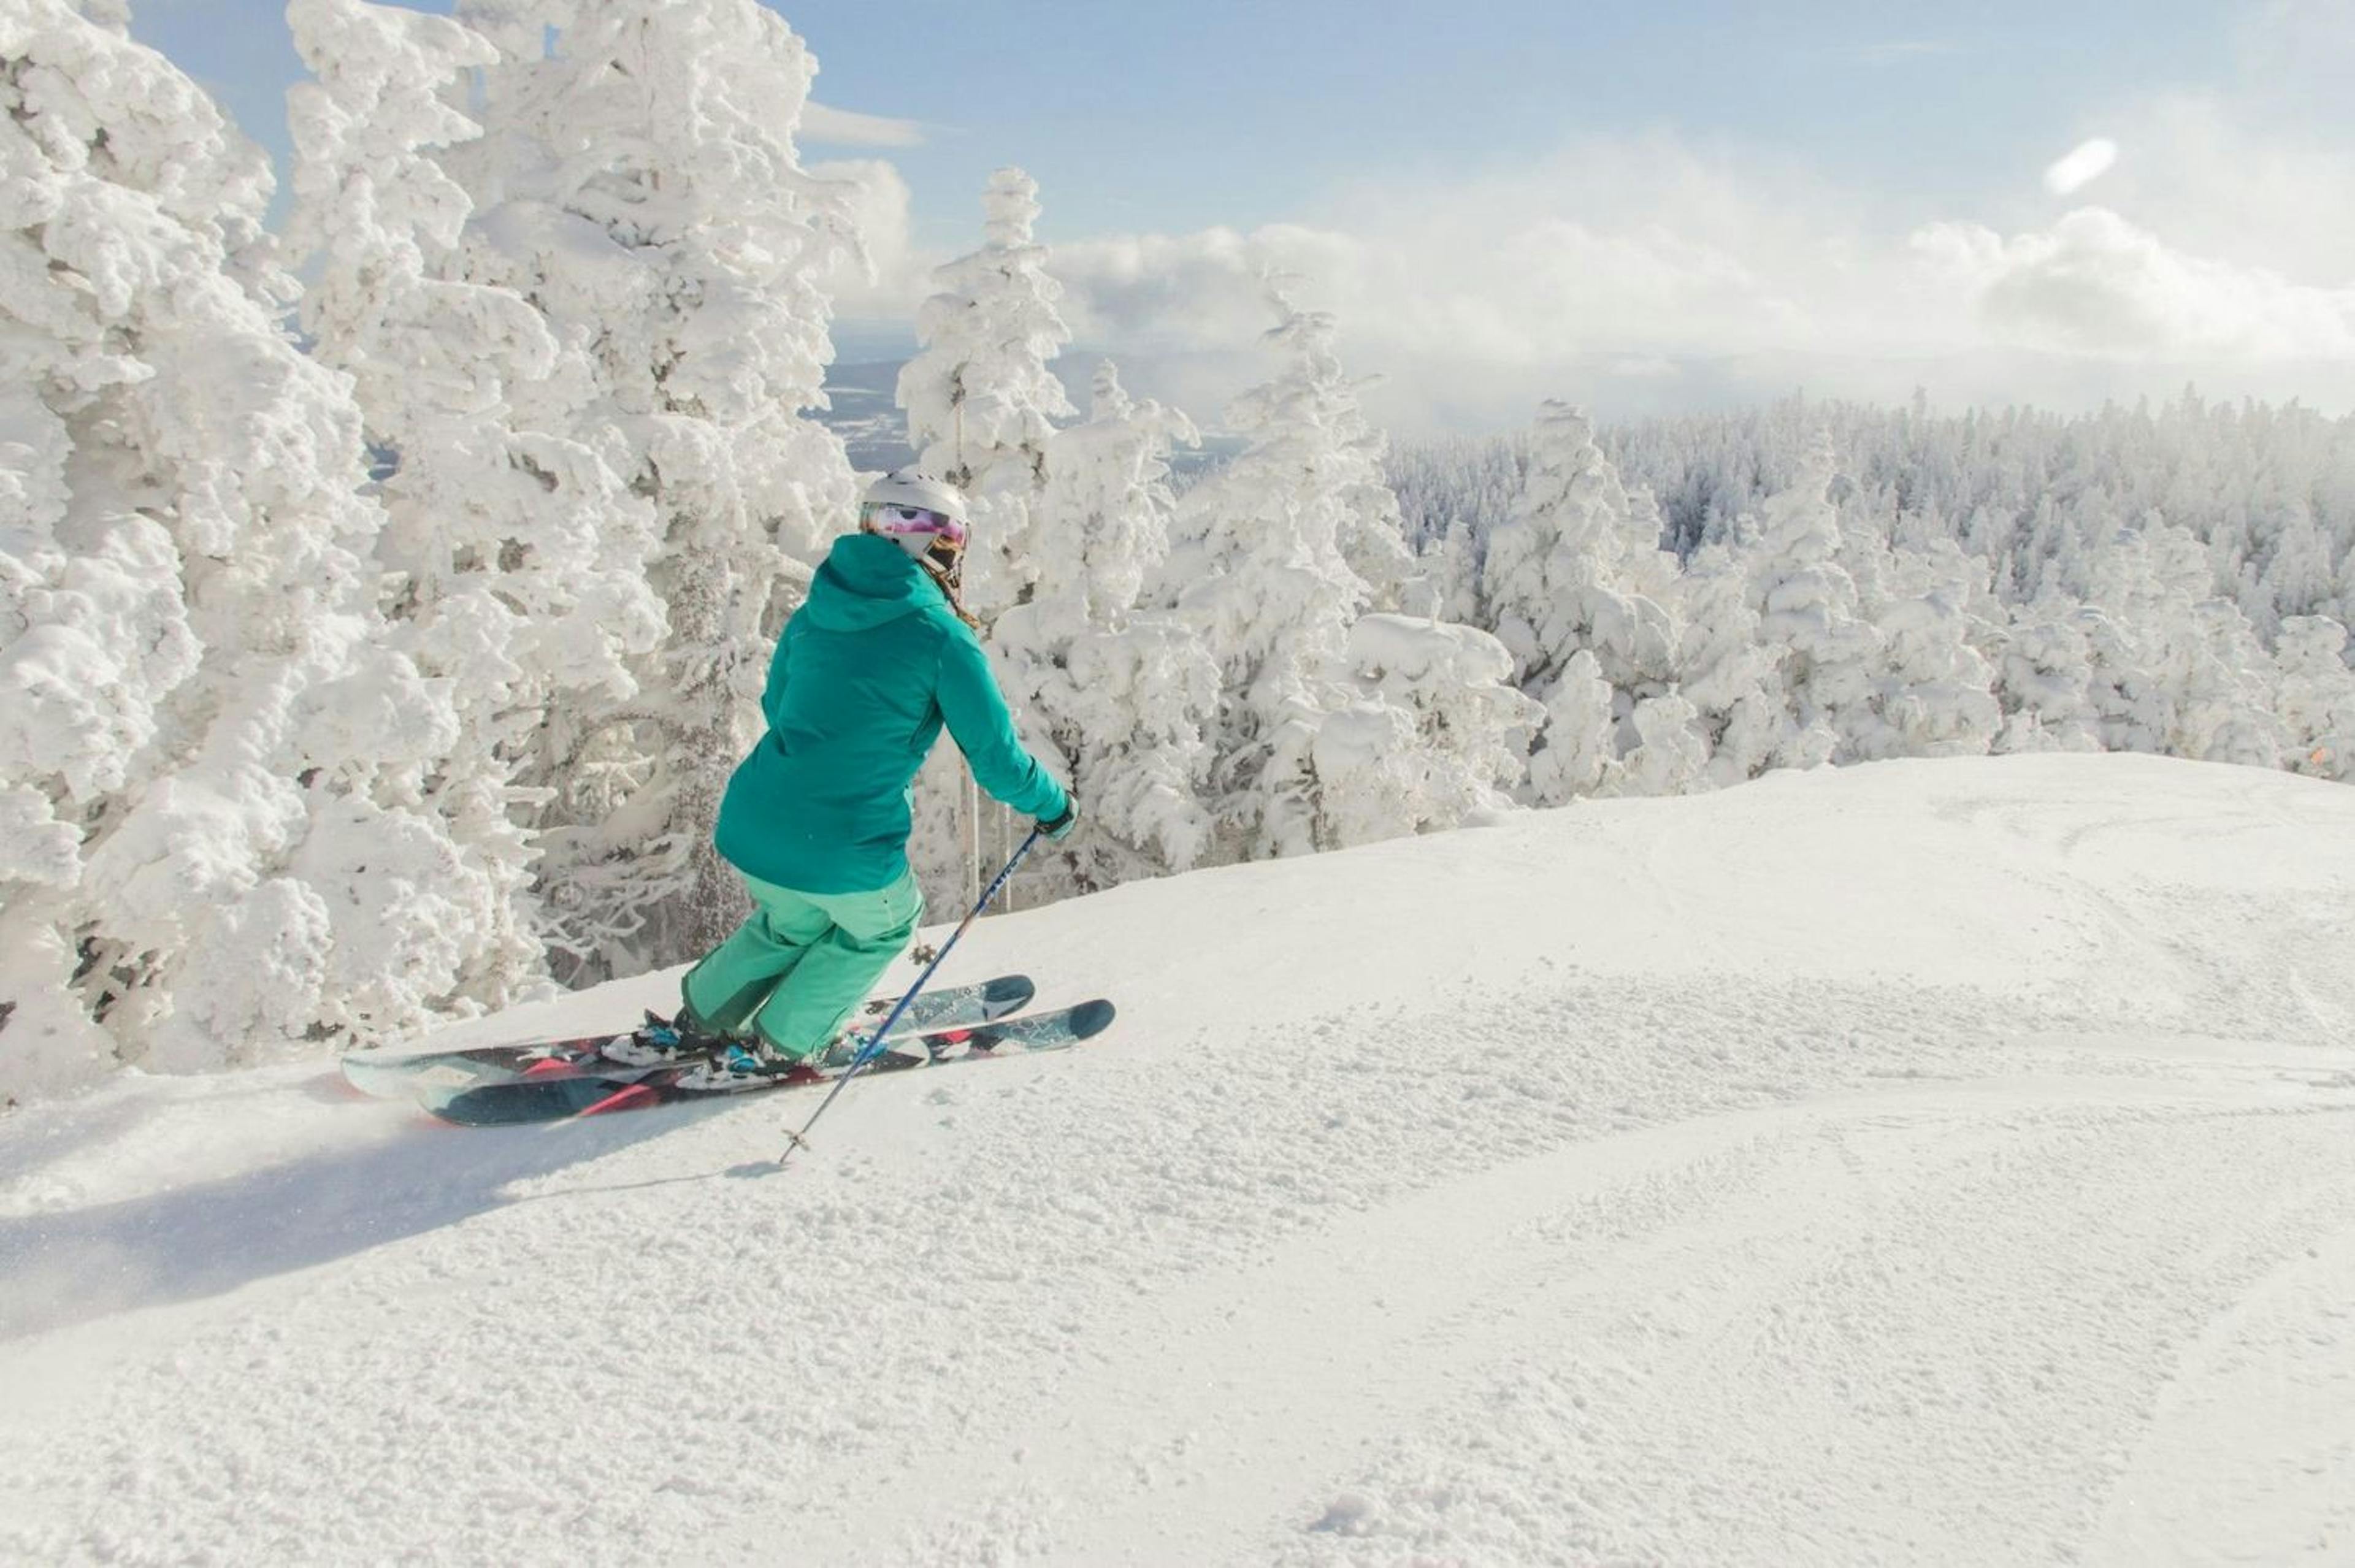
1940, 1162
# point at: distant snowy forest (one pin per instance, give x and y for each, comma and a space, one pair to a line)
375, 647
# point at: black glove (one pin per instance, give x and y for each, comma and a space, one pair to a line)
1060, 827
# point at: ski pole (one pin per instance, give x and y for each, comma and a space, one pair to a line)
874, 1046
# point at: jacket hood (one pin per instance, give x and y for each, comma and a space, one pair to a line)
867, 581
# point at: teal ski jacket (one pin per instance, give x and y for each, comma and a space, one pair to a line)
865, 675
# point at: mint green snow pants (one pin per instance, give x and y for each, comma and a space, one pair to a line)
795, 971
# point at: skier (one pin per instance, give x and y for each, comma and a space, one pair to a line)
816, 817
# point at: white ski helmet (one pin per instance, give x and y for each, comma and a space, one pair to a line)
926, 517
910, 490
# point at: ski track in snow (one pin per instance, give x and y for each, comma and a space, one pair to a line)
1925, 1163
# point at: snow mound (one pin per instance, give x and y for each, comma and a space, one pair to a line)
1921, 1162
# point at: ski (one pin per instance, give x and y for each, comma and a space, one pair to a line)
434, 1075
555, 1098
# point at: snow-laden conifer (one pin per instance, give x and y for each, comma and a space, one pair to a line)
1937, 695
980, 398
1576, 567
1581, 753
1450, 491
1325, 736
1124, 694
1560, 571
638, 183
2318, 698
1373, 533
1451, 564
2177, 671
2232, 692
2298, 575
517, 559
982, 403
213, 836
2044, 678
1668, 756
1807, 604
1263, 569
2077, 655
1438, 734
1265, 582
1733, 677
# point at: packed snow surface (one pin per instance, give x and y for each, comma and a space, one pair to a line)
1927, 1162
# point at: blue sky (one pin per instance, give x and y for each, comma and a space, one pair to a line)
1652, 205
1184, 116
1247, 111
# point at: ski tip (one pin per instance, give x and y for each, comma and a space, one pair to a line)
1091, 1019
1014, 989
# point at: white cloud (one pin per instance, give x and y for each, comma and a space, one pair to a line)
1620, 247
847, 128
1647, 272
2254, 167
890, 283
2096, 284
1616, 262
2081, 166
2212, 176
1645, 275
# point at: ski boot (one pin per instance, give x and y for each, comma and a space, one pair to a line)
660, 1040
748, 1064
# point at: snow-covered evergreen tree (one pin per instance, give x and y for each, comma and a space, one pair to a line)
1438, 733
1575, 566
1807, 604
981, 405
2318, 698
1937, 695
1124, 696
518, 559
1262, 568
2045, 678
1334, 727
1266, 585
2296, 580
638, 183
1373, 533
2039, 508
1581, 753
1449, 492
980, 398
1365, 780
1669, 757
2178, 672
1732, 677
1557, 572
1452, 564
1325, 736
2232, 692
213, 838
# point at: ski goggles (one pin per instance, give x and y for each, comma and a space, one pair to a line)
889, 517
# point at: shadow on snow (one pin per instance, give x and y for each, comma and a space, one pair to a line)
212, 1237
